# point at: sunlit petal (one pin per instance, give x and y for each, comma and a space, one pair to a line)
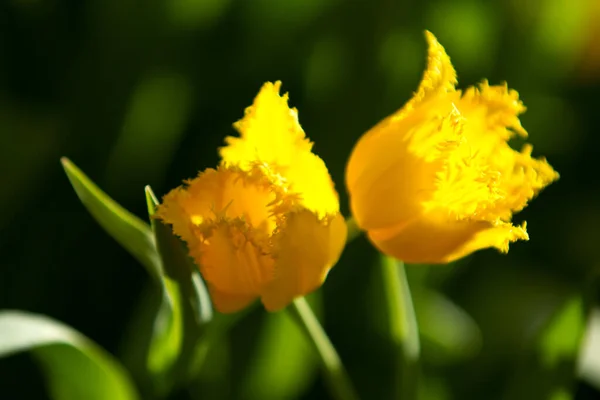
307, 248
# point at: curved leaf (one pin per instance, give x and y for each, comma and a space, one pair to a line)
183, 281
127, 229
160, 344
75, 367
178, 267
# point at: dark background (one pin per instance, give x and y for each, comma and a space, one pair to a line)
143, 92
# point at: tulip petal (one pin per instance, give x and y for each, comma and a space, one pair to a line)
492, 113
496, 108
392, 175
231, 261
229, 303
307, 249
401, 149
439, 78
391, 182
173, 211
225, 217
309, 177
270, 134
435, 239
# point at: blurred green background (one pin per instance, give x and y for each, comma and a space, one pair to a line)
143, 92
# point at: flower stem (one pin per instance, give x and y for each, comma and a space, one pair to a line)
335, 373
354, 230
403, 329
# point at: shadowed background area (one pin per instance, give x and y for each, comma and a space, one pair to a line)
143, 92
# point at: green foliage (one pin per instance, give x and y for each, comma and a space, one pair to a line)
169, 331
395, 320
178, 268
163, 335
283, 364
127, 229
62, 352
183, 280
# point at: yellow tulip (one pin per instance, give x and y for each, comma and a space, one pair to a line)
437, 180
265, 223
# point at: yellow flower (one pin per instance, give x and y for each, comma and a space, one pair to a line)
266, 222
437, 180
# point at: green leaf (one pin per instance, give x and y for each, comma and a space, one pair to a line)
156, 343
152, 340
182, 281
75, 367
127, 229
283, 364
178, 267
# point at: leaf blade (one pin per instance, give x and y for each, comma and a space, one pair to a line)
60, 349
183, 280
127, 229
177, 265
161, 331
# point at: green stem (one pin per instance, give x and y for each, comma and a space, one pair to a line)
335, 373
354, 230
403, 328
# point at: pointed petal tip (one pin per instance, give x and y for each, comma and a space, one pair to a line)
432, 40
430, 37
274, 87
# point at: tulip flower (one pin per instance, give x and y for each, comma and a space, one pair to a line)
265, 223
437, 180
